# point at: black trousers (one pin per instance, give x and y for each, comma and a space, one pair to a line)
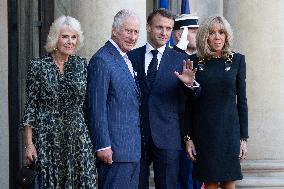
165, 165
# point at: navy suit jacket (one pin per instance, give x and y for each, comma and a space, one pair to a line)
165, 100
113, 101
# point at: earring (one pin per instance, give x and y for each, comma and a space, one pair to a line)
55, 49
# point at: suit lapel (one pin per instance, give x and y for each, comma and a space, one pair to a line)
119, 60
141, 67
164, 65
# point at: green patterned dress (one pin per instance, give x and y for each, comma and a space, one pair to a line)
54, 110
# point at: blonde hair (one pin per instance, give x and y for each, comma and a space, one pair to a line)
203, 49
57, 26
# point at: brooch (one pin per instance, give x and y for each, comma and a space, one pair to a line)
229, 62
201, 63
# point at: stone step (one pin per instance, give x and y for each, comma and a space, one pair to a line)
263, 168
253, 182
262, 174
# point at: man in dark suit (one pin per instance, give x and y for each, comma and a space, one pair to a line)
113, 107
184, 34
158, 69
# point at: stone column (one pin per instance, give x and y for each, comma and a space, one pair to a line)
4, 125
96, 18
205, 8
258, 33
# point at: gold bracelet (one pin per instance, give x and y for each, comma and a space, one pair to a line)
186, 138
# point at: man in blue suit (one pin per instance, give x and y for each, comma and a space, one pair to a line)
158, 69
113, 100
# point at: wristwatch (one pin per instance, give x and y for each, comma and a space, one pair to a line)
186, 138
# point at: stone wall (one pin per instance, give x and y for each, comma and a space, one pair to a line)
259, 29
96, 18
4, 128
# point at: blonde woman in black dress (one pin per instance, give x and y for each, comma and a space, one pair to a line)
55, 132
216, 139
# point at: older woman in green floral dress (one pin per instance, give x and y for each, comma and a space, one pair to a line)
55, 132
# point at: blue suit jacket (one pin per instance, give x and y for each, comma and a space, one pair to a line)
113, 105
165, 100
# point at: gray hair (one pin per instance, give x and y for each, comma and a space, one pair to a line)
121, 16
203, 49
57, 26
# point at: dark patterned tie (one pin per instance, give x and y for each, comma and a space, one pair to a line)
152, 69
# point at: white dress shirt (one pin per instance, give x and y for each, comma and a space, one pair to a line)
149, 55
